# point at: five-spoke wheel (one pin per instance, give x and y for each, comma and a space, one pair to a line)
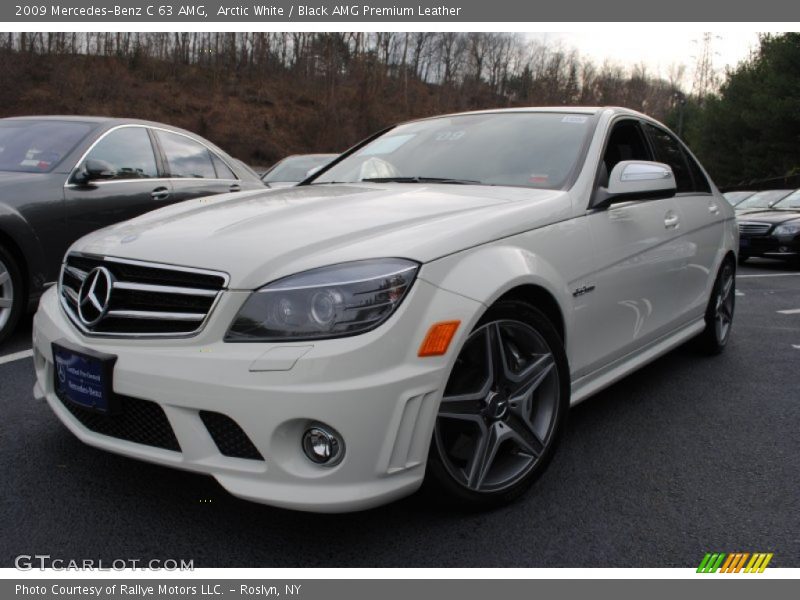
502, 406
719, 312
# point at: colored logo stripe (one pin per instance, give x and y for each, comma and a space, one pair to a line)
734, 562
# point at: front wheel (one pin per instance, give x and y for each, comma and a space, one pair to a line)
502, 410
10, 294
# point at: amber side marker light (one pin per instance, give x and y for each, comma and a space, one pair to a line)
438, 338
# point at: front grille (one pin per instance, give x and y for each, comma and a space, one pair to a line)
230, 439
143, 299
747, 228
139, 421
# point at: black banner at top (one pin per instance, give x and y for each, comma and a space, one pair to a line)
418, 11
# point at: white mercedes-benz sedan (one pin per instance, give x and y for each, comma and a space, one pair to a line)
425, 308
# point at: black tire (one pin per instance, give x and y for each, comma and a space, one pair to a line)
742, 258
546, 406
10, 290
713, 339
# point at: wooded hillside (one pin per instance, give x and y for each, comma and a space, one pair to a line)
262, 96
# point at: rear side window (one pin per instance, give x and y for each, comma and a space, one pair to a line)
688, 175
185, 157
128, 152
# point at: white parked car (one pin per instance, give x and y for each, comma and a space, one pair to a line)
427, 308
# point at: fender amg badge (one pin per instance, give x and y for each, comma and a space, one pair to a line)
584, 289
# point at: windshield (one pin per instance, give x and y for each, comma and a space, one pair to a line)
763, 199
791, 202
38, 146
296, 168
528, 149
735, 198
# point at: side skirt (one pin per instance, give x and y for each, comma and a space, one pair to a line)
602, 378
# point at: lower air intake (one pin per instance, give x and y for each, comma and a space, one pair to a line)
230, 439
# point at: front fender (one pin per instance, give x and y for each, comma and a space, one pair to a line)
18, 231
487, 273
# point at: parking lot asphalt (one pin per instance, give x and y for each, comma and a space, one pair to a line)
689, 455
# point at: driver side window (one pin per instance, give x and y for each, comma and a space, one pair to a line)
626, 142
127, 152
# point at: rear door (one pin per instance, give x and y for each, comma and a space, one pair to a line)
137, 185
628, 301
702, 215
194, 169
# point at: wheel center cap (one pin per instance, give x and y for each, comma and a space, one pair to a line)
496, 405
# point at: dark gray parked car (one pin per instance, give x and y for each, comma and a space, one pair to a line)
62, 177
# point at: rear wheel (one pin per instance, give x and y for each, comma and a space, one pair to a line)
502, 410
719, 312
10, 294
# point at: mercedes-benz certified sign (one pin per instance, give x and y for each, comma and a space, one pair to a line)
95, 296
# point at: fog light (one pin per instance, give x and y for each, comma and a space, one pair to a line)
323, 446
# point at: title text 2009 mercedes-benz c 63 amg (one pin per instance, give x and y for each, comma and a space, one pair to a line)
426, 307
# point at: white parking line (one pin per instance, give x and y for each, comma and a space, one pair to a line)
791, 311
767, 275
16, 356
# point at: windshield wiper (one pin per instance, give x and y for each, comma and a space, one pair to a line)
418, 179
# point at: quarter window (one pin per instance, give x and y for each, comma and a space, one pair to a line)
185, 157
128, 153
223, 171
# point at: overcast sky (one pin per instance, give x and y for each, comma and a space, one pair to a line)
658, 48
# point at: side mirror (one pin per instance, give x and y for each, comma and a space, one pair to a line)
636, 180
94, 169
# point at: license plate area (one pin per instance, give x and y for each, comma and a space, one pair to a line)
84, 377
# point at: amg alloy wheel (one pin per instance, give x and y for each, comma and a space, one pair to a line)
719, 313
502, 407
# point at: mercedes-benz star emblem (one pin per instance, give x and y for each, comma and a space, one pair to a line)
94, 296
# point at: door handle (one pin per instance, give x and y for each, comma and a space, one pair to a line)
671, 221
160, 193
713, 208
235, 188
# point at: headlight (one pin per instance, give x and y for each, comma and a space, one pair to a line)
787, 229
336, 301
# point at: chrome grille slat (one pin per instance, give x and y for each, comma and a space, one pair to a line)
72, 294
78, 274
163, 289
146, 299
754, 228
159, 316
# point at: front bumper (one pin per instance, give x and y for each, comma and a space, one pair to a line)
372, 388
770, 246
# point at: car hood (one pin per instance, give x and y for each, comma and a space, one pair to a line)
770, 216
257, 237
14, 177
